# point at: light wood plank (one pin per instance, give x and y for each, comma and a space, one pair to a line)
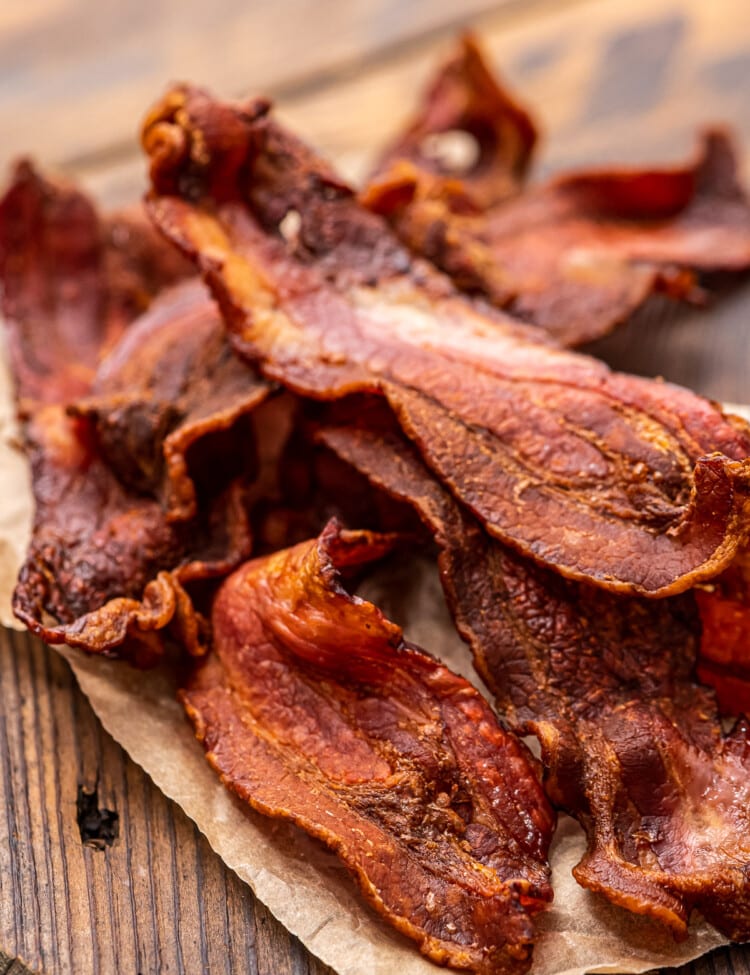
656, 63
565, 60
76, 76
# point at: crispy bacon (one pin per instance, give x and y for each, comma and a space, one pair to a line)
577, 255
465, 99
724, 660
105, 568
172, 382
634, 484
103, 561
72, 282
632, 746
313, 708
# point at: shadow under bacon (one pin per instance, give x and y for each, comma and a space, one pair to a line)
575, 255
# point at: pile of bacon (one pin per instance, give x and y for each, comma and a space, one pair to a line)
266, 364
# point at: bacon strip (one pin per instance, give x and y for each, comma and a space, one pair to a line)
313, 708
576, 255
465, 98
633, 484
724, 660
104, 561
72, 282
172, 382
632, 746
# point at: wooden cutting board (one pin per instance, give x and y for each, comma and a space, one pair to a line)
609, 81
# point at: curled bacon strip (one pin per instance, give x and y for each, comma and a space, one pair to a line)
578, 254
313, 708
465, 98
104, 561
633, 484
72, 282
172, 382
632, 746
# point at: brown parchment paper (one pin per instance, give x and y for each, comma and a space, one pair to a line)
303, 885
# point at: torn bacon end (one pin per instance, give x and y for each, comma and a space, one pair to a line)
468, 131
314, 709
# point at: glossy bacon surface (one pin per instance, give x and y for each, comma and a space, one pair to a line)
313, 708
576, 255
633, 484
631, 744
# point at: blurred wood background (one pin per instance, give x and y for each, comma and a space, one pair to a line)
617, 81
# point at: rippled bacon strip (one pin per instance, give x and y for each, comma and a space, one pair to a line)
578, 254
465, 98
632, 746
635, 484
313, 708
105, 568
170, 388
87, 275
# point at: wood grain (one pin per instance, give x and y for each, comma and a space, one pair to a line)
665, 68
77, 75
610, 81
157, 900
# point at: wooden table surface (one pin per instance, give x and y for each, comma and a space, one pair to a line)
609, 81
